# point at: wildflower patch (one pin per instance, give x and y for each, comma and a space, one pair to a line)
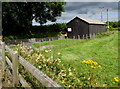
92, 64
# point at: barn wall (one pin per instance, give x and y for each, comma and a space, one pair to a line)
78, 26
72, 25
83, 27
96, 28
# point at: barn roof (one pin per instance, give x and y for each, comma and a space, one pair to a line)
90, 21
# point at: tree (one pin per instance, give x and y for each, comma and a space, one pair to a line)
115, 25
17, 17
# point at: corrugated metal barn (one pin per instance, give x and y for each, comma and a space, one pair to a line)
82, 26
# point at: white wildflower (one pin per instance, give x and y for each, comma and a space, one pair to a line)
36, 60
59, 53
46, 51
39, 66
51, 57
70, 73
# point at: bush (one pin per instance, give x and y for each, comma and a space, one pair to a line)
105, 34
58, 27
112, 29
113, 24
40, 32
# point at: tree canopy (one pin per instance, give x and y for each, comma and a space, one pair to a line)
17, 16
114, 24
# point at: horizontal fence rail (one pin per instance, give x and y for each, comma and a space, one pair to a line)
44, 79
21, 79
15, 59
32, 40
36, 40
17, 77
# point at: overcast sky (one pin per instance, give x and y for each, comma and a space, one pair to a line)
88, 10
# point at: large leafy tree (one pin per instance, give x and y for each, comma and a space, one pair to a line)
17, 17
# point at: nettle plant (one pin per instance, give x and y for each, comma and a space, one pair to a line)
51, 65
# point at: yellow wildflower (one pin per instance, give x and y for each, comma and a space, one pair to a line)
92, 63
100, 67
93, 67
84, 61
95, 63
117, 79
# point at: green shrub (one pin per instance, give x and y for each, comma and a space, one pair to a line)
113, 24
104, 34
57, 27
40, 32
112, 29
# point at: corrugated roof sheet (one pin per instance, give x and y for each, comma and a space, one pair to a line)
91, 21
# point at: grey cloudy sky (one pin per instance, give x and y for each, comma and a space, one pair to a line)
88, 10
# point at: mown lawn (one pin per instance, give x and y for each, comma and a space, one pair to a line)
103, 50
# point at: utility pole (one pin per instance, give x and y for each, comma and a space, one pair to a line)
107, 20
101, 12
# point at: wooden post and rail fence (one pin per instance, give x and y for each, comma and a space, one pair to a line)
17, 77
16, 59
39, 75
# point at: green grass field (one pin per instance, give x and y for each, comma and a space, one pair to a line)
103, 50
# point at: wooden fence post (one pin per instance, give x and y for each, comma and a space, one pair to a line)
78, 36
52, 38
93, 35
86, 36
90, 35
83, 37
15, 68
3, 56
73, 37
42, 40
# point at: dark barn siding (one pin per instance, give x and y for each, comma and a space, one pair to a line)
81, 27
78, 26
96, 28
